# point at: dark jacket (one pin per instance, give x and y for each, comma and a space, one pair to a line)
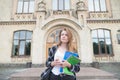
74, 68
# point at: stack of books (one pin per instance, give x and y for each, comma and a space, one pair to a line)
73, 59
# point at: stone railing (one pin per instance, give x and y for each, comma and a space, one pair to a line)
23, 17
98, 15
65, 13
61, 12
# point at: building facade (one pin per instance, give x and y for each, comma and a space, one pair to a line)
28, 28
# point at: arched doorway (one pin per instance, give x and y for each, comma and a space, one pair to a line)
53, 38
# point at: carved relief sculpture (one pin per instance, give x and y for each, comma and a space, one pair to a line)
81, 5
41, 6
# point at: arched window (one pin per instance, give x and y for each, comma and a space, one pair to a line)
54, 37
25, 6
22, 43
97, 5
61, 4
102, 44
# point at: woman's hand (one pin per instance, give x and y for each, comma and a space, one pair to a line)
56, 62
65, 64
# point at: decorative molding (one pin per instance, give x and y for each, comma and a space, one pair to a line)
61, 21
16, 22
74, 14
105, 58
99, 15
41, 6
104, 21
61, 12
21, 59
80, 6
23, 17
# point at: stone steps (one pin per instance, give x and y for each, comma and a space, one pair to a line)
86, 73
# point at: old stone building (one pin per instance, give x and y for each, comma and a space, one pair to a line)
28, 28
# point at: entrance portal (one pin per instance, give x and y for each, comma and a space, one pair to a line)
53, 39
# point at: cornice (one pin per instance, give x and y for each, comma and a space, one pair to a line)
103, 21
16, 22
34, 22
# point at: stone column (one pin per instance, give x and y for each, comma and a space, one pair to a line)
38, 34
82, 12
85, 35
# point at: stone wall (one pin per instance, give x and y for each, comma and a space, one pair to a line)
5, 10
115, 5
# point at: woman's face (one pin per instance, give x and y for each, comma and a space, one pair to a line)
64, 37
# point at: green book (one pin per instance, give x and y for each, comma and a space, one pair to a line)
67, 71
72, 60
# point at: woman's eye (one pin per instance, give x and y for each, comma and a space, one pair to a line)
66, 35
62, 34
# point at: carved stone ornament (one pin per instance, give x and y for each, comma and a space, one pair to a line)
81, 5
41, 6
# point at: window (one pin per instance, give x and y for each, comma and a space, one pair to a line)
22, 43
61, 4
102, 44
25, 6
54, 36
118, 37
97, 5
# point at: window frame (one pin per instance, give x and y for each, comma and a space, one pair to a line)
23, 7
64, 5
105, 45
19, 40
99, 5
118, 38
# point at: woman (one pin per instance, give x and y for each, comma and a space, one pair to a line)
56, 57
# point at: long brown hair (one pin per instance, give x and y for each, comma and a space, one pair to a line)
70, 39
